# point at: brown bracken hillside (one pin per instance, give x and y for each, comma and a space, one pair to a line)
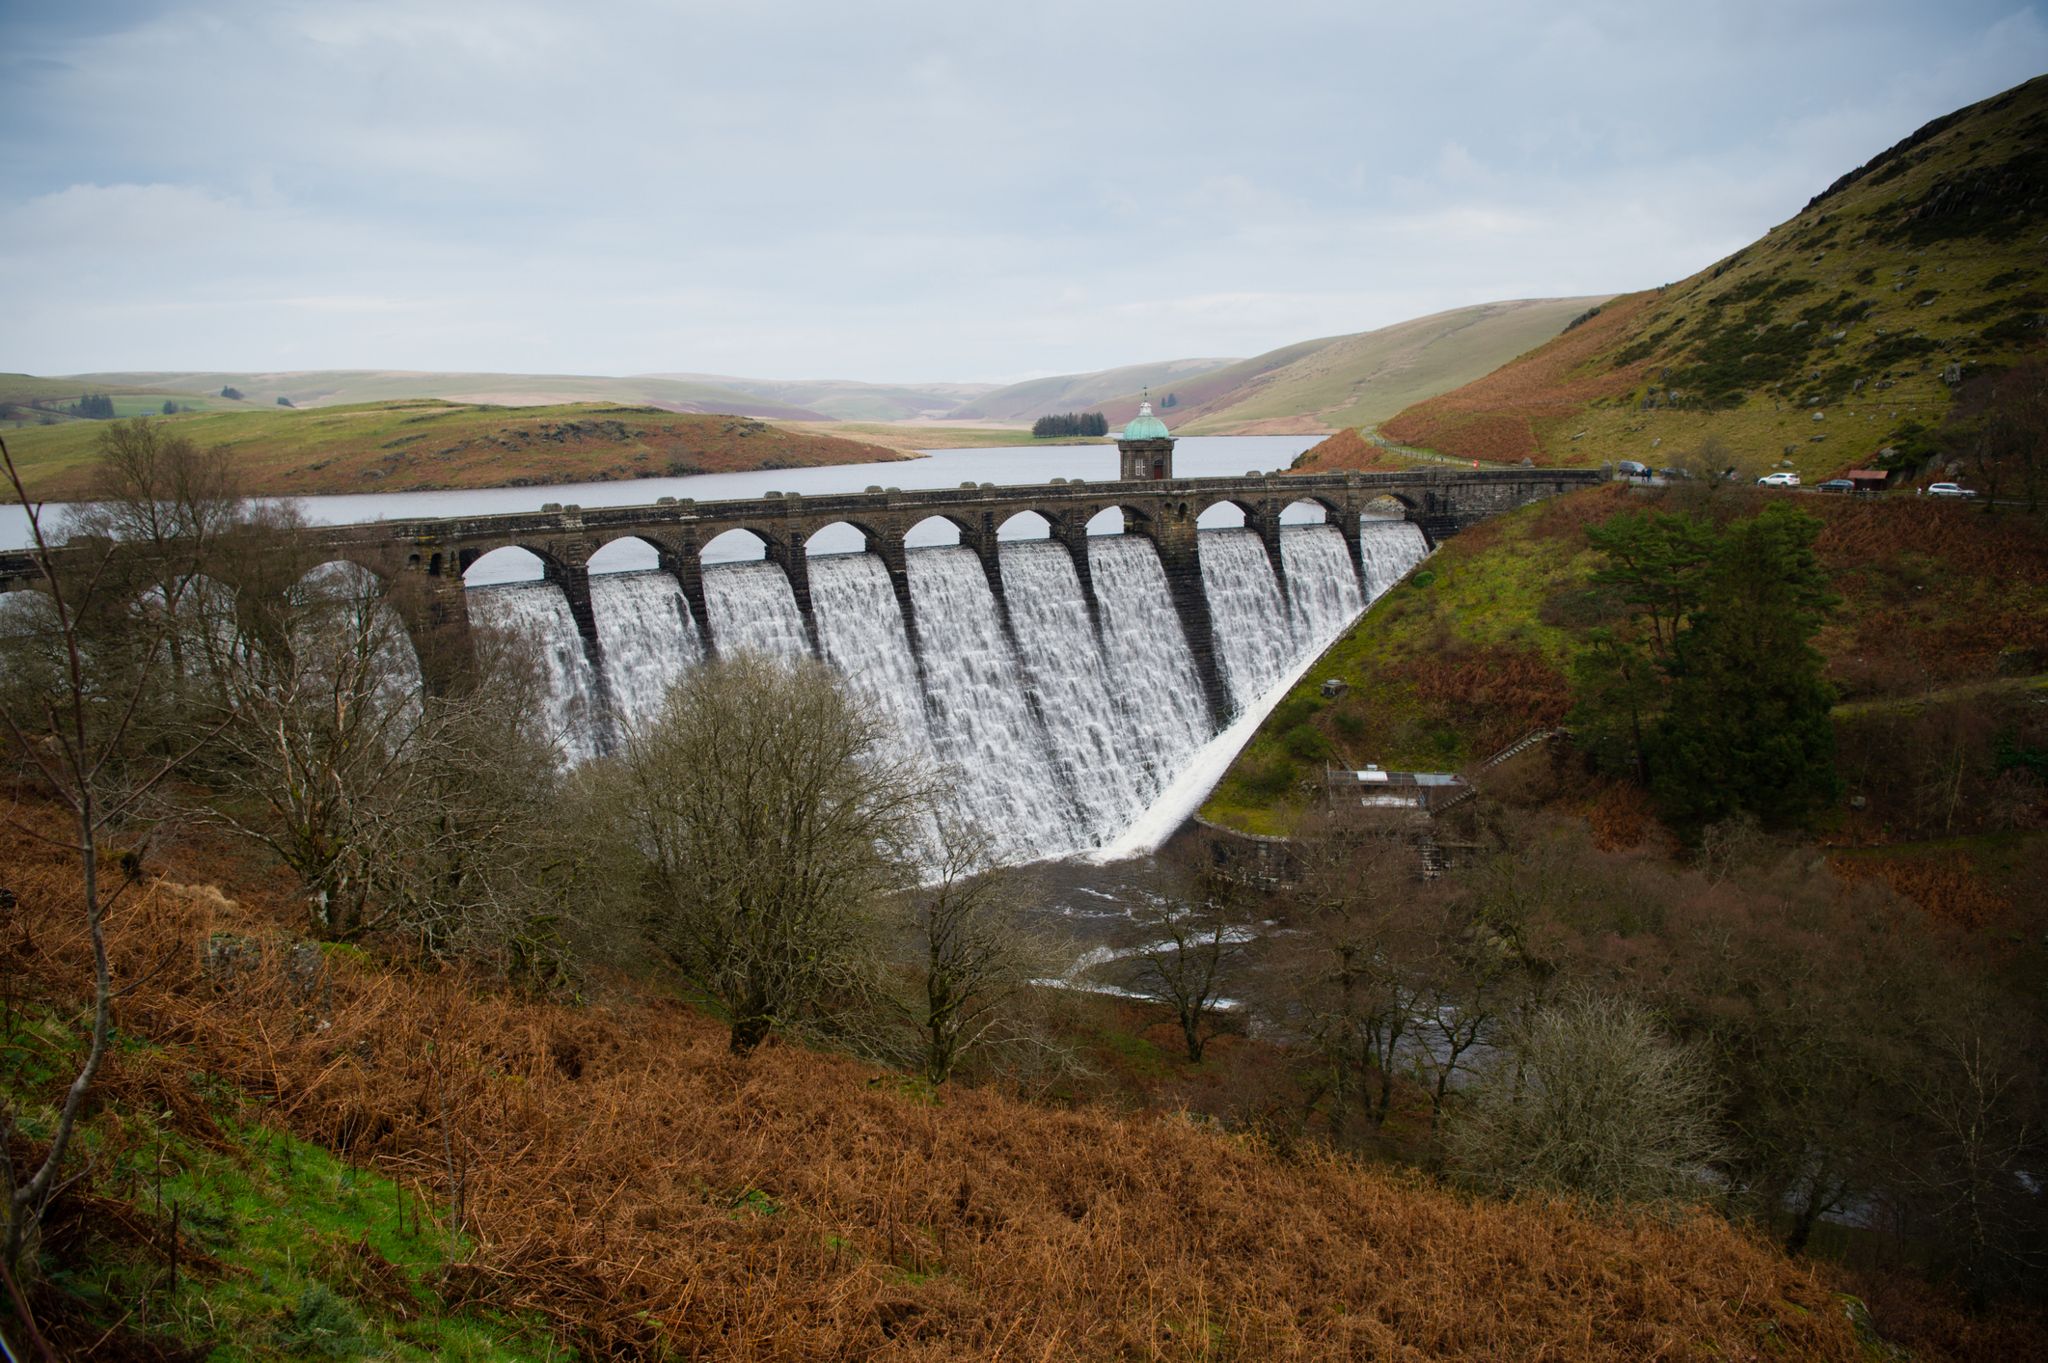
629, 1182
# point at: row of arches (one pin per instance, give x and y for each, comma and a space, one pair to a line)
630, 553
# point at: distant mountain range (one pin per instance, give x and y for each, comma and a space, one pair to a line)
1316, 385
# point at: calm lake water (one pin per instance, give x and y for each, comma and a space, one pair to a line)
1199, 456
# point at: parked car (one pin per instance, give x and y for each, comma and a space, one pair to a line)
1629, 468
1672, 475
1950, 490
1836, 485
1782, 478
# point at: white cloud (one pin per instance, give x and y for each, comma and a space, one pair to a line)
919, 190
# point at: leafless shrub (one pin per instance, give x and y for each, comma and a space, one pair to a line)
1590, 1099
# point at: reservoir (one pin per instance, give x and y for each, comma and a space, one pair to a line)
1196, 456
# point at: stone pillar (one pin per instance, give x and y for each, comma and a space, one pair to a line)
1266, 521
1072, 531
986, 548
1174, 537
796, 566
684, 563
568, 567
433, 602
1350, 524
897, 560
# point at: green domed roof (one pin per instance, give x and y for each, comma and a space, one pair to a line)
1144, 426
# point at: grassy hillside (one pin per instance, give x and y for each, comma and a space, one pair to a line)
418, 445
358, 1158
1341, 381
344, 387
1472, 650
849, 400
1838, 335
1026, 402
909, 436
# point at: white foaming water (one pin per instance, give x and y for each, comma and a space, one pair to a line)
981, 725
540, 612
648, 636
1249, 623
860, 631
1390, 548
1079, 735
1063, 667
753, 610
1158, 694
1323, 595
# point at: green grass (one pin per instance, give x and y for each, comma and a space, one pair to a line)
347, 387
427, 443
920, 436
1477, 591
1366, 378
286, 1251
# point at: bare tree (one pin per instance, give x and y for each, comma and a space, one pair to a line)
69, 729
1360, 963
1590, 1099
324, 726
1194, 927
1966, 1161
765, 820
2000, 425
168, 502
973, 957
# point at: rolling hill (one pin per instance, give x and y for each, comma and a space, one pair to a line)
344, 387
1841, 333
849, 399
1341, 381
1034, 398
421, 444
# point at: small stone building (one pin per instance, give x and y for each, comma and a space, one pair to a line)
1145, 447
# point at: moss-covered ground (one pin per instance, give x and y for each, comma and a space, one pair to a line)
206, 1232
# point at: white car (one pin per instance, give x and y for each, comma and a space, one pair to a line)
1950, 490
1782, 478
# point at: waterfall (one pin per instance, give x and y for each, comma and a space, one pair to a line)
540, 612
1052, 734
1064, 668
1253, 639
1160, 703
1390, 548
1323, 595
752, 609
860, 632
648, 637
1002, 772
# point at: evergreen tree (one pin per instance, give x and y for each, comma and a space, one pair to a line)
1747, 725
1708, 689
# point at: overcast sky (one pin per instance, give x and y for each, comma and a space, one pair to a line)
903, 190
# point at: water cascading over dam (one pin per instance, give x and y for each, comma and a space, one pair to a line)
1056, 724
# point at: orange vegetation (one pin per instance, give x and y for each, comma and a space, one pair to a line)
1948, 886
1496, 418
630, 1181
1494, 692
1345, 450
